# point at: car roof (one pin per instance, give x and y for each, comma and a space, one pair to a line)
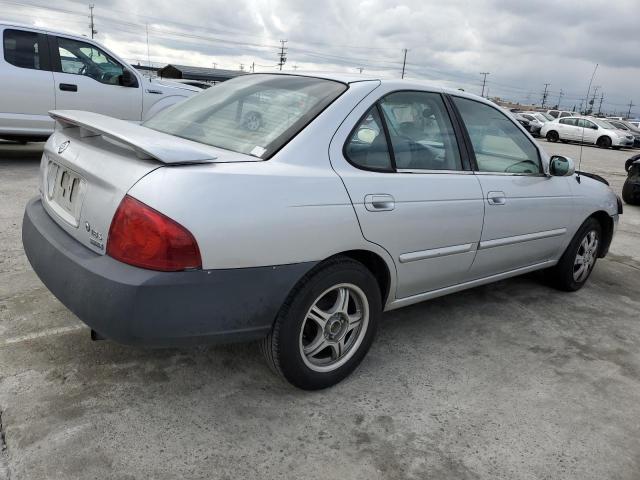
4, 23
400, 84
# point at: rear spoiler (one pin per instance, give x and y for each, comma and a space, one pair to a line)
147, 143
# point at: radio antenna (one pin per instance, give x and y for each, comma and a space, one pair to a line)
582, 139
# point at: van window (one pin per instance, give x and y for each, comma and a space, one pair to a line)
22, 49
79, 58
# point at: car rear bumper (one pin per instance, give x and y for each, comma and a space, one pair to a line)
137, 306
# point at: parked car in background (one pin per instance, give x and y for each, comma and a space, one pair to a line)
354, 196
587, 130
536, 121
628, 127
560, 113
41, 70
631, 187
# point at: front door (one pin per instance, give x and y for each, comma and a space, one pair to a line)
412, 189
526, 212
87, 78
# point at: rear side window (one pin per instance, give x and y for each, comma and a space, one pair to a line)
421, 133
569, 121
367, 147
499, 145
22, 49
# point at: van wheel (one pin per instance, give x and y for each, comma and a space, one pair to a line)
553, 136
326, 326
577, 262
604, 142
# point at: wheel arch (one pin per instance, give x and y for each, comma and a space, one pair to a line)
606, 223
604, 136
376, 265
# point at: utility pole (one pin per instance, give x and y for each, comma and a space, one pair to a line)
361, 69
593, 100
404, 61
92, 25
242, 67
253, 67
215, 65
600, 106
559, 99
631, 104
484, 81
545, 94
283, 53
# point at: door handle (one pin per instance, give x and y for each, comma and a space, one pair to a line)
380, 202
496, 198
68, 87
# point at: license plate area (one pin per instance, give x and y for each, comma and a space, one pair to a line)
65, 192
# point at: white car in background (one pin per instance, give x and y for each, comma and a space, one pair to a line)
587, 130
42, 70
560, 113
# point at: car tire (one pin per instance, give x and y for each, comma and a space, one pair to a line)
552, 136
604, 142
312, 357
568, 275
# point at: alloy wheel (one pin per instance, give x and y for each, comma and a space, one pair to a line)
585, 256
334, 327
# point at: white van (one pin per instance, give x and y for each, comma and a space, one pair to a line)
42, 70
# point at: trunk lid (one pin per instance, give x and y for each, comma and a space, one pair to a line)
91, 161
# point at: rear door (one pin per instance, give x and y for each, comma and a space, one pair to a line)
569, 129
88, 78
411, 187
527, 213
26, 83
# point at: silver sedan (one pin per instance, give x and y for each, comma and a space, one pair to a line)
295, 209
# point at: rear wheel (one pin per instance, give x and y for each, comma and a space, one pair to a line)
553, 136
326, 326
604, 142
577, 262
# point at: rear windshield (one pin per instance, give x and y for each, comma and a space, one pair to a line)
252, 114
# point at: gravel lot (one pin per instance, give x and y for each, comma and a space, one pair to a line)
512, 380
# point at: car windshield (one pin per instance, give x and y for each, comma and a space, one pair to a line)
604, 124
252, 114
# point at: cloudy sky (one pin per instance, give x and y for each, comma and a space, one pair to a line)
522, 43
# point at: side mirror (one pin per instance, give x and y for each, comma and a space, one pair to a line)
560, 166
128, 79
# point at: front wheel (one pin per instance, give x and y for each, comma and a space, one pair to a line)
577, 262
604, 142
553, 136
326, 326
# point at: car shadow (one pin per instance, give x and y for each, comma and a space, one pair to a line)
11, 152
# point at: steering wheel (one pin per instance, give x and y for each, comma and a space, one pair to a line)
535, 167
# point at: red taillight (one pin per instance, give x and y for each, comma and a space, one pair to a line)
143, 237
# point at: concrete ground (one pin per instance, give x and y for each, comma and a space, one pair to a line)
512, 380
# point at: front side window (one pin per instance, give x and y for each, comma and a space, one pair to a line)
367, 146
252, 114
79, 58
421, 133
22, 49
499, 145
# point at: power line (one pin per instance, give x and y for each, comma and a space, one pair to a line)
484, 81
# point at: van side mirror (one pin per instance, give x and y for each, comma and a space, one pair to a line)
128, 79
560, 166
